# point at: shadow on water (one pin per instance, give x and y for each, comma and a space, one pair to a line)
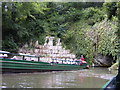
86, 78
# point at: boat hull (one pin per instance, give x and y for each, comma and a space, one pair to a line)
110, 85
12, 65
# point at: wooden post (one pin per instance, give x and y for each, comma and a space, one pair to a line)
38, 59
23, 57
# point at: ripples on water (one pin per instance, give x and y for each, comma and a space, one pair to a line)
86, 78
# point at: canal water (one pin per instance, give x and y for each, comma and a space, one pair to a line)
86, 78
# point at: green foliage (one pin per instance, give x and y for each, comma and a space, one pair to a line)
10, 45
20, 23
118, 15
110, 8
93, 34
107, 39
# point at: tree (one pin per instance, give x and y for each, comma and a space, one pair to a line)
20, 24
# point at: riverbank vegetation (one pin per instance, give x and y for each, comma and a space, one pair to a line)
86, 28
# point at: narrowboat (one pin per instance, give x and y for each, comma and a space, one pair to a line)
31, 63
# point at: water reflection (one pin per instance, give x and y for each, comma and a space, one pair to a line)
88, 78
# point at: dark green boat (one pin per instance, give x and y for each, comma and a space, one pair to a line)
114, 83
17, 65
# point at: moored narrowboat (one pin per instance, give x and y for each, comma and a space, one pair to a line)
11, 62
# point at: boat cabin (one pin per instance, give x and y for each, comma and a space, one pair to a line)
27, 57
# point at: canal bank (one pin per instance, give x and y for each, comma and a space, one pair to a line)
86, 78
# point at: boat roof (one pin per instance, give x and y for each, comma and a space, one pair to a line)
22, 54
19, 54
4, 52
